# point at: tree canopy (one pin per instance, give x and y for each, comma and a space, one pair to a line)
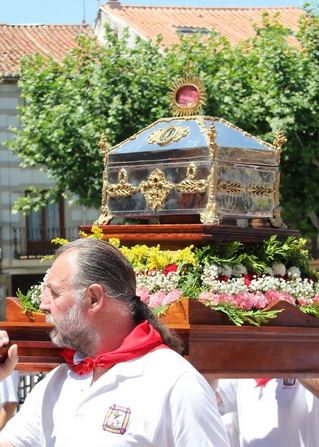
265, 83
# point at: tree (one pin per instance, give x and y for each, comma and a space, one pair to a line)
265, 83
113, 90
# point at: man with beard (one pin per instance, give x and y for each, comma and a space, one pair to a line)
123, 383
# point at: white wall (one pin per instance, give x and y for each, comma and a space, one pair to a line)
15, 180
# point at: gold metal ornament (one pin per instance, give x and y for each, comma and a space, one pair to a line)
276, 221
122, 188
190, 184
232, 188
279, 141
187, 96
260, 190
105, 216
212, 141
167, 135
210, 215
155, 189
235, 188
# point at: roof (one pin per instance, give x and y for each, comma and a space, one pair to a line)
17, 41
234, 23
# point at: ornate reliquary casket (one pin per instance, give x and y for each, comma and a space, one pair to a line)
192, 165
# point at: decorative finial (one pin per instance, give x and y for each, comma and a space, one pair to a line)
104, 146
105, 215
187, 95
279, 141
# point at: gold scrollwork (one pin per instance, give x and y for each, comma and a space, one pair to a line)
229, 187
155, 189
279, 141
122, 188
236, 188
190, 185
105, 216
260, 190
167, 135
212, 141
210, 215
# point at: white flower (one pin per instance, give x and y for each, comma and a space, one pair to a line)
279, 269
225, 270
294, 271
239, 270
269, 271
210, 273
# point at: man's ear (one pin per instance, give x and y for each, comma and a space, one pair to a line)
96, 296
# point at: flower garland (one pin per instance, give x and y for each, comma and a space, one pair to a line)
241, 280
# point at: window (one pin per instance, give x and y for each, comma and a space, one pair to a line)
44, 225
191, 30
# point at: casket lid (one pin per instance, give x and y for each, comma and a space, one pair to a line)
200, 136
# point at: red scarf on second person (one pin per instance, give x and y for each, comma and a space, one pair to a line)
143, 339
261, 382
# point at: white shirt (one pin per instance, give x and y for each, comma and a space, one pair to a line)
279, 414
155, 400
9, 388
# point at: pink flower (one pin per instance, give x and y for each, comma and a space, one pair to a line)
259, 301
208, 297
143, 294
245, 300
274, 296
156, 299
172, 296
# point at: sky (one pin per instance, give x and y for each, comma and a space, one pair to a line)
74, 11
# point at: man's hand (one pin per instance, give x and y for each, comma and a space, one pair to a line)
8, 366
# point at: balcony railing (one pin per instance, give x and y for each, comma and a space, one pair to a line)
33, 243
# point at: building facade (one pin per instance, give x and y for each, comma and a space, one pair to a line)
26, 239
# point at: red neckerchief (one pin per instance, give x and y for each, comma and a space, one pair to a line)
261, 382
143, 339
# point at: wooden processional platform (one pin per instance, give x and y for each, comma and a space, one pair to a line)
287, 346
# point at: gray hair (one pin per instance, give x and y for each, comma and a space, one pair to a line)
102, 263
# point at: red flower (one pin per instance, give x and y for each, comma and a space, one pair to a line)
248, 279
223, 278
170, 268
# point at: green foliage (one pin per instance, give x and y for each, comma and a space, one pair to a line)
31, 300
115, 90
291, 251
267, 82
312, 310
258, 257
254, 317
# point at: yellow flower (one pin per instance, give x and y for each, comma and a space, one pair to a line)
97, 233
59, 241
144, 258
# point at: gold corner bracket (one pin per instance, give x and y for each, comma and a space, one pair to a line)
105, 216
279, 141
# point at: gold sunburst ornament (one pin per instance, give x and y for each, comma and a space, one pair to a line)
187, 96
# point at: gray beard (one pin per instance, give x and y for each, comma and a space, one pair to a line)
72, 331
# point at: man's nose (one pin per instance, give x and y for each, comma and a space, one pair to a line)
45, 299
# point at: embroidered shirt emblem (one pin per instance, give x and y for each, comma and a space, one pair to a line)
288, 383
117, 419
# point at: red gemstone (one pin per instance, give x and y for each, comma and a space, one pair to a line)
187, 96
